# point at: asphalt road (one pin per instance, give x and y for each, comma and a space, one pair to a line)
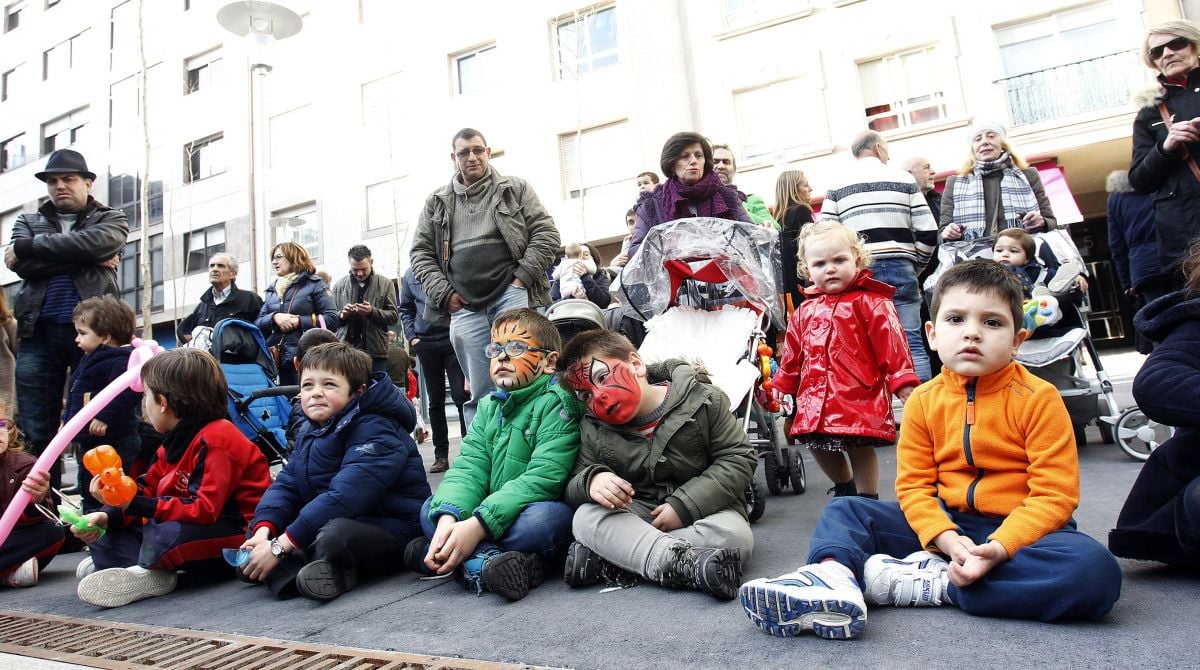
1153, 625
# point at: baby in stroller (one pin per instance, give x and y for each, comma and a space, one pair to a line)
1017, 251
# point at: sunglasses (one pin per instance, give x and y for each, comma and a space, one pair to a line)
5, 424
1177, 44
512, 349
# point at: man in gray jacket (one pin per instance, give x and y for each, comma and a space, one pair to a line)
66, 252
482, 247
367, 301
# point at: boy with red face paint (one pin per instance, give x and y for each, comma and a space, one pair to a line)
659, 483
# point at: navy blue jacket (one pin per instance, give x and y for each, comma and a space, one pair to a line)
361, 465
96, 370
412, 311
308, 297
1132, 238
1167, 387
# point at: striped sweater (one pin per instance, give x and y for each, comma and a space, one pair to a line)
884, 205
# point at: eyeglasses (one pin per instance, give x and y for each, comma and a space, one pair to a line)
473, 151
1177, 44
512, 349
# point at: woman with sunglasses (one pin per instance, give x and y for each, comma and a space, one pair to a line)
1166, 140
299, 300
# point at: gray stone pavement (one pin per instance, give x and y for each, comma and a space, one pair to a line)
1153, 625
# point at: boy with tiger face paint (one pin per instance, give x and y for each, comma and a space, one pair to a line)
498, 513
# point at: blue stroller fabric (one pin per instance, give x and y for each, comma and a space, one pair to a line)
242, 353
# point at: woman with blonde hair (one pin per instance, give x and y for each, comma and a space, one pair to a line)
793, 211
297, 301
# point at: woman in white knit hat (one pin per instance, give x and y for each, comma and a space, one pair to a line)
994, 190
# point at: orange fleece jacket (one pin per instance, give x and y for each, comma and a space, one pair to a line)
1016, 459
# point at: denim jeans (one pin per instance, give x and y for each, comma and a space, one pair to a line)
902, 274
438, 363
41, 370
541, 528
470, 333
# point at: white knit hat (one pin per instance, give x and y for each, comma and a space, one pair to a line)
981, 126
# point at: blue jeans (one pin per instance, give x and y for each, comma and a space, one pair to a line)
541, 528
1064, 575
902, 274
470, 333
42, 364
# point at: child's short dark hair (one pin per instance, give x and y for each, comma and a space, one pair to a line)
592, 343
540, 328
341, 359
191, 381
982, 276
310, 339
107, 317
1023, 238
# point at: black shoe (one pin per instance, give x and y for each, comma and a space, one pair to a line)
537, 570
414, 556
679, 571
322, 580
844, 489
507, 574
439, 465
583, 567
719, 572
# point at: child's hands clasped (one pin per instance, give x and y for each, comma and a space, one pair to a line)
969, 562
453, 542
610, 491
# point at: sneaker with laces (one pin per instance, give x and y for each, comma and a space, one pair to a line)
25, 575
509, 574
116, 587
716, 572
414, 555
85, 568
585, 567
322, 580
917, 580
819, 597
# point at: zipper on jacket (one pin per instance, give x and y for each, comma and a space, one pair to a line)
970, 421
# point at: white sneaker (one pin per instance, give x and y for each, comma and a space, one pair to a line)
115, 587
26, 574
917, 580
821, 597
1067, 272
85, 568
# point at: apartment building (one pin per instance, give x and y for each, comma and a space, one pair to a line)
354, 118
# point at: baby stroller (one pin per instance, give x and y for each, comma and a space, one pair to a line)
1055, 352
706, 289
258, 407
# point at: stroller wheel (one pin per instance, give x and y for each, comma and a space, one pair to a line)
771, 472
756, 501
796, 470
1137, 435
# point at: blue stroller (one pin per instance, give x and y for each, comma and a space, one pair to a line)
258, 407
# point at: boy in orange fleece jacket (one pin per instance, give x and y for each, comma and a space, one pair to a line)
987, 478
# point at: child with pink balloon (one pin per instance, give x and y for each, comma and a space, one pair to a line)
34, 540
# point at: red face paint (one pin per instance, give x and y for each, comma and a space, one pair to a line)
608, 387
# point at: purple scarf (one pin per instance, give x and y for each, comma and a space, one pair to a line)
706, 194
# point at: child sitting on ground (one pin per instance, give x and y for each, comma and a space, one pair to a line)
497, 515
34, 539
103, 330
987, 475
193, 501
569, 283
347, 501
662, 471
845, 355
1016, 250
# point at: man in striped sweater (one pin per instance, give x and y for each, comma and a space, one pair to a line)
885, 206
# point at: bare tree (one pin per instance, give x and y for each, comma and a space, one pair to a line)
144, 184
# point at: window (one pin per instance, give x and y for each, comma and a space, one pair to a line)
6, 84
125, 194
902, 90
388, 204
203, 158
63, 56
597, 158
12, 15
586, 42
13, 153
201, 245
300, 224
63, 131
742, 13
475, 70
782, 118
129, 273
1062, 38
202, 72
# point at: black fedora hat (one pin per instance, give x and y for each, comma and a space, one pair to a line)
66, 161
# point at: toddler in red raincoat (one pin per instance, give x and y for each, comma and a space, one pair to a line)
844, 357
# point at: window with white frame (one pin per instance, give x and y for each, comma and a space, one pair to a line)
1061, 38
125, 192
741, 13
201, 245
204, 158
64, 56
13, 153
781, 118
596, 159
12, 15
389, 203
129, 273
902, 90
7, 221
201, 72
475, 70
8, 82
585, 41
63, 131
300, 224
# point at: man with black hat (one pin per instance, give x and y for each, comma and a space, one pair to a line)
66, 252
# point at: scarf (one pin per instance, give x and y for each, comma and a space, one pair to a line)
176, 441
1016, 198
283, 284
707, 196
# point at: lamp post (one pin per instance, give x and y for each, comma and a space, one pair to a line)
260, 24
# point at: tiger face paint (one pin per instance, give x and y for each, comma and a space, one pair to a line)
514, 372
609, 387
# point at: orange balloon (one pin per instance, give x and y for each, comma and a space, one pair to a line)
110, 476
101, 457
120, 493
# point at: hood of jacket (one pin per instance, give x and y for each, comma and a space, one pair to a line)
1157, 319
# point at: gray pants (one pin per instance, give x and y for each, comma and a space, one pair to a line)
626, 539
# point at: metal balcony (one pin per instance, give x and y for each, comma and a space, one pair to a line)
1075, 88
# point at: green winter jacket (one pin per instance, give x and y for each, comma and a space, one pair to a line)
518, 450
699, 460
759, 212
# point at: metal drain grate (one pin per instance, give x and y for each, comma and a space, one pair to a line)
123, 646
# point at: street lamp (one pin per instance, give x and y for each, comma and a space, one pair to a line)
260, 23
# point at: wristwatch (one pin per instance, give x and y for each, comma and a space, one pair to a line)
277, 549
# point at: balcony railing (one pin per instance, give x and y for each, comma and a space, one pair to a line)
1075, 88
